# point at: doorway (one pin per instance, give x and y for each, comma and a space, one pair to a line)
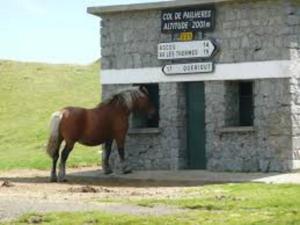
195, 100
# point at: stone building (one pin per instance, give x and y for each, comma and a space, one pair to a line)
242, 116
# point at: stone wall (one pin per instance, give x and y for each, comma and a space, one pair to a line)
273, 122
295, 106
295, 81
266, 147
245, 31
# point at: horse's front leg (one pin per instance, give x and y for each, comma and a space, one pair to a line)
107, 151
125, 168
62, 166
120, 144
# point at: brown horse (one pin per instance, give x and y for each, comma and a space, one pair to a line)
101, 125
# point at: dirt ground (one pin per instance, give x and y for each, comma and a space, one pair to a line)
25, 191
88, 189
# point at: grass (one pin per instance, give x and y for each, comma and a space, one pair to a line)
235, 197
231, 204
29, 94
100, 218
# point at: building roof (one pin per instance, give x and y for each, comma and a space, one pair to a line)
98, 10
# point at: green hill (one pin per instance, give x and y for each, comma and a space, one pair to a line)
29, 94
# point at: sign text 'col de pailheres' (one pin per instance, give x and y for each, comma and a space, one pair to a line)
187, 19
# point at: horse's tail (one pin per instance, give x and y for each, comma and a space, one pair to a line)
54, 139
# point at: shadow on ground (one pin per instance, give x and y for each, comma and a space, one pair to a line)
109, 181
180, 178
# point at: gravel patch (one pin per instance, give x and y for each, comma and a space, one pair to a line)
29, 191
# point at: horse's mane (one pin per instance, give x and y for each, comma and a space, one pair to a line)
124, 98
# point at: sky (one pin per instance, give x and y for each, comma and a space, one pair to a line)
52, 31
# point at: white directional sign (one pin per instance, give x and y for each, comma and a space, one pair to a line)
188, 68
184, 50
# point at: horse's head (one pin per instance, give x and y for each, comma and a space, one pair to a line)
144, 104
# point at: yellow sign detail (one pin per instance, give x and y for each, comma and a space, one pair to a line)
186, 36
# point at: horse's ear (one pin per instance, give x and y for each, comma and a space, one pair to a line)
144, 89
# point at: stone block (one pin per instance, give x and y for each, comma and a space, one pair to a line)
293, 20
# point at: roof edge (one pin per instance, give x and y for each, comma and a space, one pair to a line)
99, 10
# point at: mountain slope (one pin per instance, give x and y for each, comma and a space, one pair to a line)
29, 94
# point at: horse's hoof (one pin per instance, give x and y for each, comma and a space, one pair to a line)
53, 179
127, 171
107, 171
62, 180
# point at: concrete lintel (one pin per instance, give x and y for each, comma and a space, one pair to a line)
99, 10
230, 71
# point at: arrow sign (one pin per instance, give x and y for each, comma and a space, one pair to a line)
188, 68
185, 50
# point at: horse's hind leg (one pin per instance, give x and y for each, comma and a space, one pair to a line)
54, 155
107, 151
53, 176
64, 156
